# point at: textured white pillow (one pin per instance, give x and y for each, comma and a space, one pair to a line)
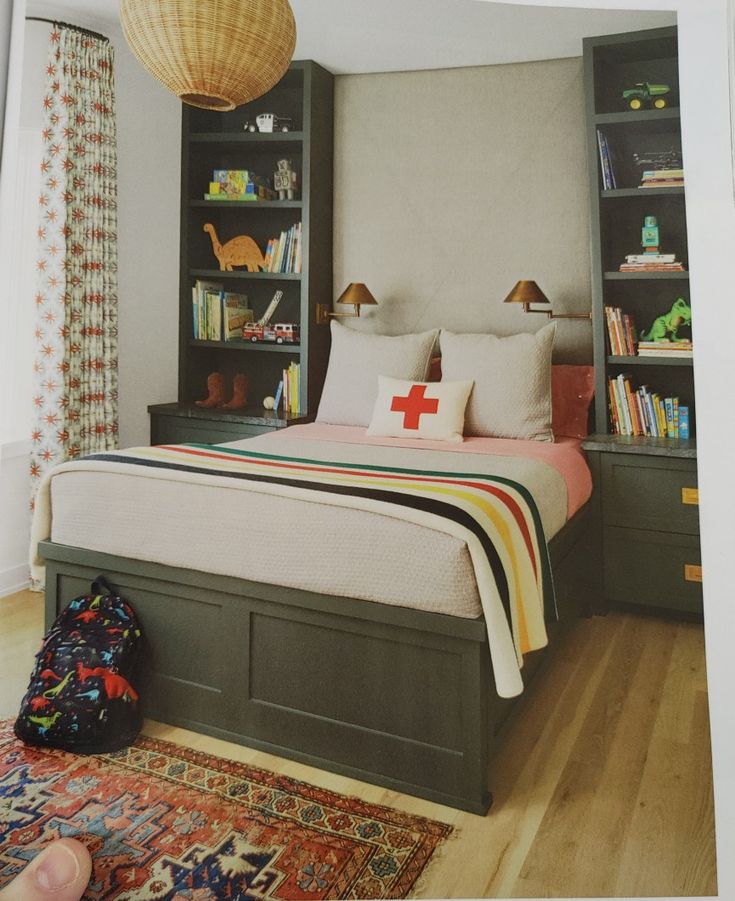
420, 409
512, 393
355, 362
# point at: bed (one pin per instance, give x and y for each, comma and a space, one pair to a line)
342, 634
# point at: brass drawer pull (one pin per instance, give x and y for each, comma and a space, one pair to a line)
690, 496
692, 572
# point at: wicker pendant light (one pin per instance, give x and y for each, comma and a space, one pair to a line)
215, 54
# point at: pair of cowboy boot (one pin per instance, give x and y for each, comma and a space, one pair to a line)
216, 392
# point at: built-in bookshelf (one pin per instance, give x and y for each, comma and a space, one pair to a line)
646, 496
221, 141
637, 172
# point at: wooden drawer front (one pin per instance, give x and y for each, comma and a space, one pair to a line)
653, 568
655, 494
181, 429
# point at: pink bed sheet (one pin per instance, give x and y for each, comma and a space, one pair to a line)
564, 454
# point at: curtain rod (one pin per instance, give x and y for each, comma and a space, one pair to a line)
92, 34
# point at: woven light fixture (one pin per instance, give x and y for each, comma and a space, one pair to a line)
215, 54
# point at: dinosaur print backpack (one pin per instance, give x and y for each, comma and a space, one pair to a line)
81, 696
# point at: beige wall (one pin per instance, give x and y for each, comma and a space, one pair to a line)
450, 185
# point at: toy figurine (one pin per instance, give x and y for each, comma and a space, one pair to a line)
650, 237
239, 251
285, 180
665, 327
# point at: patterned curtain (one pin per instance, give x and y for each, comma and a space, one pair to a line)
75, 367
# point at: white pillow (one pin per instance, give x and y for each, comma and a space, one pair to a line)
355, 362
420, 409
512, 393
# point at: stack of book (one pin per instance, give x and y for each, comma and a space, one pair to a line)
638, 411
283, 254
651, 262
218, 315
680, 349
289, 390
606, 163
621, 332
662, 178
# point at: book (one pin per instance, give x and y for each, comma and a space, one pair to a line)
669, 406
279, 392
235, 313
681, 349
606, 166
201, 313
684, 422
621, 332
283, 254
640, 411
652, 267
649, 258
229, 197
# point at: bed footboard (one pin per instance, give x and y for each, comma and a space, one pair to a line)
394, 696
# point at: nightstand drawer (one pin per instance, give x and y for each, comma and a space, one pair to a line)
183, 430
658, 494
653, 568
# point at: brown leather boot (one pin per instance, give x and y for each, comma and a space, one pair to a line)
240, 393
216, 389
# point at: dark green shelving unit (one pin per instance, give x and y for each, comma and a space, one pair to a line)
646, 488
212, 140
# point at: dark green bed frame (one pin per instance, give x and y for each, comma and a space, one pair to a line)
391, 695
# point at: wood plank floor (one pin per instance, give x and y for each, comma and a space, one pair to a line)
603, 786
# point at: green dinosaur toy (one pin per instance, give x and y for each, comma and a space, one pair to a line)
46, 722
665, 327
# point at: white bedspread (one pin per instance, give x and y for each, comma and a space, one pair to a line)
165, 517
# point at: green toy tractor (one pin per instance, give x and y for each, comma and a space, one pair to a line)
645, 92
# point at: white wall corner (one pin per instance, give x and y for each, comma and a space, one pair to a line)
14, 579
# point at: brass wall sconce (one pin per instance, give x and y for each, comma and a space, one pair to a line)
528, 292
355, 294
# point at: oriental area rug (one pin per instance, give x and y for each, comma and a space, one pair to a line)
165, 822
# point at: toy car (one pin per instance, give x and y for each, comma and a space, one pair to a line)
280, 333
645, 92
269, 122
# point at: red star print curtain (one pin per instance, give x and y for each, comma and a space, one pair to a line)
75, 367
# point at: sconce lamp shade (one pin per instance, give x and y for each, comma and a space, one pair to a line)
357, 294
526, 293
216, 54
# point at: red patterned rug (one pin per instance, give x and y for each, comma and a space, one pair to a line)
165, 822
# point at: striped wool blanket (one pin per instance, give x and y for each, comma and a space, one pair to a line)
496, 517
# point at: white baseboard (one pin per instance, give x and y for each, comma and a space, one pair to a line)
14, 579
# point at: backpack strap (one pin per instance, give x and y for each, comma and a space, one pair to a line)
102, 586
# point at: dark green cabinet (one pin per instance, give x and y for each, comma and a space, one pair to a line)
213, 140
649, 515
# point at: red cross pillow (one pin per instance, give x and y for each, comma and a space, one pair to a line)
420, 409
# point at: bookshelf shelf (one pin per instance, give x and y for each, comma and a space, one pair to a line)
267, 347
645, 276
216, 140
675, 191
649, 361
243, 273
248, 204
254, 139
639, 117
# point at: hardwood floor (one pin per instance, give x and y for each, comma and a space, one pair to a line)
603, 786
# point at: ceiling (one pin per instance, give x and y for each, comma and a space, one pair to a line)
354, 36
